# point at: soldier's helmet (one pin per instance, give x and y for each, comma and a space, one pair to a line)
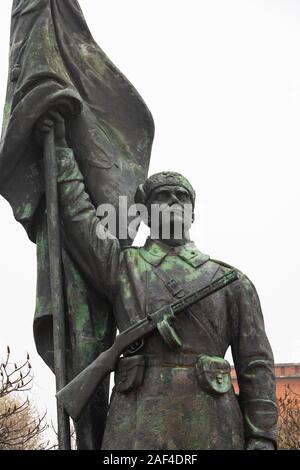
165, 178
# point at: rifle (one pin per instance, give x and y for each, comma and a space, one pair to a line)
75, 396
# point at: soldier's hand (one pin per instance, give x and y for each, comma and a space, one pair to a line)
259, 443
53, 119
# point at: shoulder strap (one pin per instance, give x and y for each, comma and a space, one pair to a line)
170, 283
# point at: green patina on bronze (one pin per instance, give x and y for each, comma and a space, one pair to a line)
54, 62
26, 210
165, 397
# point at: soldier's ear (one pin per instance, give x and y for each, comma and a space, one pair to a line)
140, 195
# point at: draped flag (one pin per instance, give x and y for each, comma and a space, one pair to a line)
54, 62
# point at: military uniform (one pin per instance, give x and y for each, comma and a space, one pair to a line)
168, 398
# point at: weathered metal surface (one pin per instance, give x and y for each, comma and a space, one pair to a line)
181, 400
163, 398
56, 286
76, 395
54, 61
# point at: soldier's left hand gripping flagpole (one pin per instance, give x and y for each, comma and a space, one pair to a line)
56, 283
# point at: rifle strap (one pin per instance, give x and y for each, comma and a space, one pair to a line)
166, 330
171, 283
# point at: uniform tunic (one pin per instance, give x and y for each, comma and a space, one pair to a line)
162, 399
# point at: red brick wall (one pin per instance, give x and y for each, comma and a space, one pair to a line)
286, 374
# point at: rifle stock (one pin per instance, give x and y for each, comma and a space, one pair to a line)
75, 396
80, 390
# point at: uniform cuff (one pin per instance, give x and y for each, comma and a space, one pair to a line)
260, 418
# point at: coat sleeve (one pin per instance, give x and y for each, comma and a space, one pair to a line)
254, 363
98, 257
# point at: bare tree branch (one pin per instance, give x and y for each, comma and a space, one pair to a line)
289, 420
21, 427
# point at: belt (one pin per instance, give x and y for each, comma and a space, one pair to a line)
213, 373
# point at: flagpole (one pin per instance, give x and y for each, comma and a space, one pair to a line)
56, 284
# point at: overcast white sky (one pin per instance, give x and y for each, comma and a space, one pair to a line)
222, 79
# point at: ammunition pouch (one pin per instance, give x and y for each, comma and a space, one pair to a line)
130, 373
213, 374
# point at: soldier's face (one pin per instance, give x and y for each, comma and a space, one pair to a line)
174, 205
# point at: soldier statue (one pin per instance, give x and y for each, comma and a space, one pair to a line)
167, 397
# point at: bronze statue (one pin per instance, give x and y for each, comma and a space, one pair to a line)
172, 394
172, 386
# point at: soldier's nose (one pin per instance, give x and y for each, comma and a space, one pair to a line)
173, 199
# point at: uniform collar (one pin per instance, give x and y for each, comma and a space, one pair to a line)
154, 252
